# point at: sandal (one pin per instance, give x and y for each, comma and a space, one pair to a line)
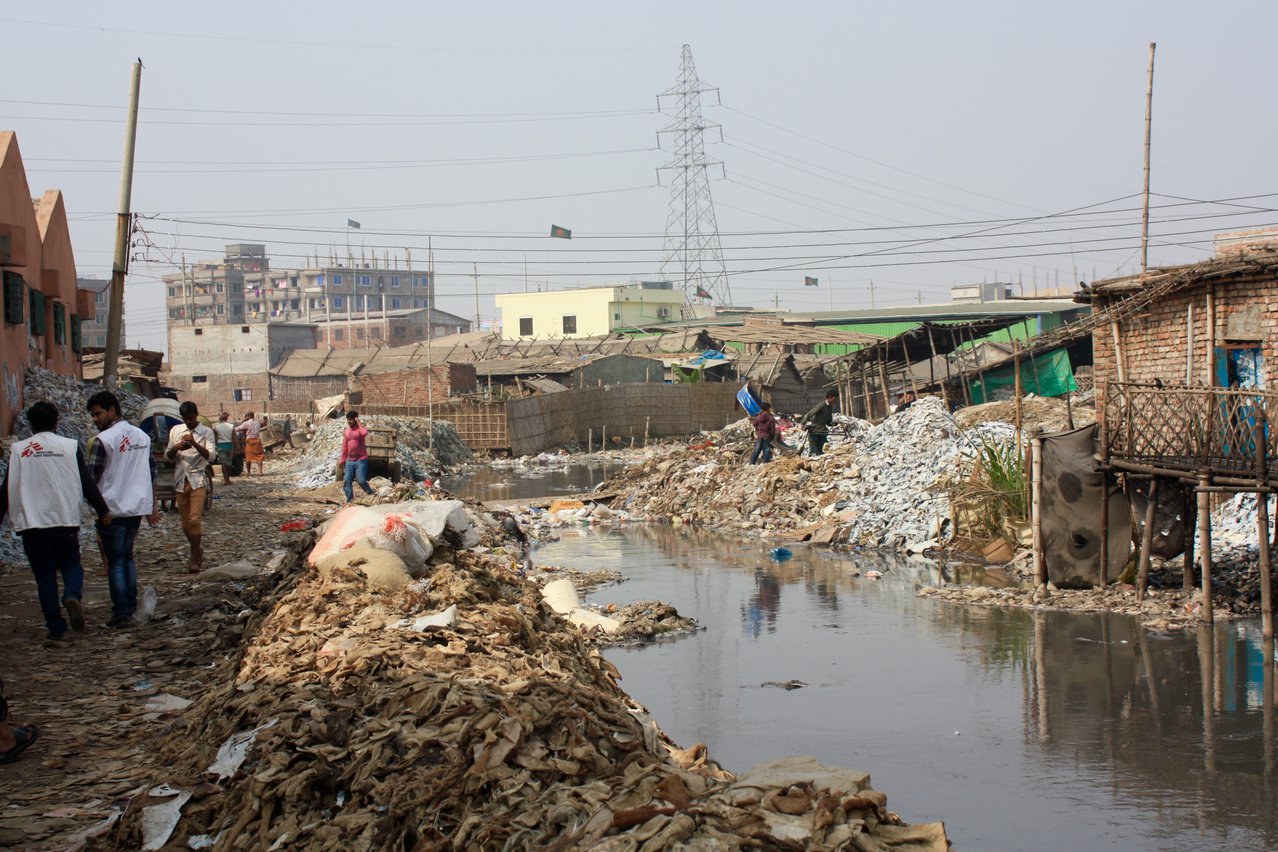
25, 736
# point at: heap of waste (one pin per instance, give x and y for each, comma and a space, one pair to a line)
71, 396
413, 691
877, 486
423, 448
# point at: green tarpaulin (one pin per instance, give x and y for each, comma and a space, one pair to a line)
1043, 375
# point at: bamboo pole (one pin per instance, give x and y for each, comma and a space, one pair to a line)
945, 391
1209, 361
647, 422
909, 368
1262, 522
1204, 543
1146, 542
1016, 372
1189, 343
1103, 574
1036, 508
887, 398
865, 394
1119, 369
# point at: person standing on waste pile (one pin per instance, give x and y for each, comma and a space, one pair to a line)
904, 401
253, 450
765, 430
819, 420
121, 464
354, 456
41, 495
224, 436
190, 448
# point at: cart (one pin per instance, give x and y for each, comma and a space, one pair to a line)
383, 460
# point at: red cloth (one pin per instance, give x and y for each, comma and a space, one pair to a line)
765, 426
354, 444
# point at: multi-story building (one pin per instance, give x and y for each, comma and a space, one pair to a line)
357, 288
41, 308
589, 312
93, 327
236, 289
386, 328
220, 366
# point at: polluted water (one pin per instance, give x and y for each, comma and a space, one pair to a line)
1019, 729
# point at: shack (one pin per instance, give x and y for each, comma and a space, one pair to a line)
571, 371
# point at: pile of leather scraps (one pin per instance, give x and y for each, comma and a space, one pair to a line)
457, 710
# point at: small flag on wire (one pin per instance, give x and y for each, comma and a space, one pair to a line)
809, 281
351, 223
560, 233
703, 293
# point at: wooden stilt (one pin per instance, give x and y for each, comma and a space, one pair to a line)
1146, 541
1204, 543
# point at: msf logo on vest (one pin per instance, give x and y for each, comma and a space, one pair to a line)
127, 446
32, 448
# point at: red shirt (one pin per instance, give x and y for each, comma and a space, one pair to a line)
354, 447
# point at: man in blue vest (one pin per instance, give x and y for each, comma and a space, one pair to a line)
43, 485
121, 464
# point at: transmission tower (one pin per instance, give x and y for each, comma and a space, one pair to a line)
693, 256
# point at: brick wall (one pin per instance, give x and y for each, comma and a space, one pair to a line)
217, 393
413, 387
1154, 340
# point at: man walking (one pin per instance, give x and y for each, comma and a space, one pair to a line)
121, 464
224, 436
819, 420
253, 449
765, 430
190, 448
43, 485
354, 456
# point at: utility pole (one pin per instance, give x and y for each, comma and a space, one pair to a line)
475, 275
871, 295
1149, 109
525, 273
123, 236
830, 281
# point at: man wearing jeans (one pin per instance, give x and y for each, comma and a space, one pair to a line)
191, 448
41, 495
354, 456
121, 464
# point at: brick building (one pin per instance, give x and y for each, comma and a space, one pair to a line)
1212, 323
41, 308
400, 376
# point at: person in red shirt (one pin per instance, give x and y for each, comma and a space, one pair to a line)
354, 456
765, 430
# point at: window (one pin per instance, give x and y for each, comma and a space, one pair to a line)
525, 327
219, 287
423, 281
199, 380
255, 306
198, 332
295, 304
337, 303
394, 304
377, 334
337, 280
381, 279
319, 280
337, 334
366, 281
399, 331
222, 309
359, 334
570, 324
243, 394
59, 323
244, 329
37, 313
616, 317
172, 294
13, 302
76, 337
394, 280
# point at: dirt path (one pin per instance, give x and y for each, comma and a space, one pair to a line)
88, 694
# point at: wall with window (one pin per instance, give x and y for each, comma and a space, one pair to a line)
589, 312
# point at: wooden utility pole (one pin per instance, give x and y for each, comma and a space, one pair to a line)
123, 235
1149, 107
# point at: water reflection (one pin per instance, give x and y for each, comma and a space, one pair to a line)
484, 483
1020, 729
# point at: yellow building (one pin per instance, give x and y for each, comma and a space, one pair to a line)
589, 312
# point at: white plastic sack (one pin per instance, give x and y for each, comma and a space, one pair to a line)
147, 602
347, 527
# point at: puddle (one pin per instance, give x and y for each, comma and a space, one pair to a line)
1020, 730
486, 483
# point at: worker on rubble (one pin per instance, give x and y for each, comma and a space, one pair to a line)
765, 430
191, 447
354, 456
904, 401
121, 464
253, 450
41, 495
224, 436
819, 420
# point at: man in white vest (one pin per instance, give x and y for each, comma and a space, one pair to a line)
121, 464
41, 495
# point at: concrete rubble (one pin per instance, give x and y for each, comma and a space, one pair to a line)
336, 723
876, 486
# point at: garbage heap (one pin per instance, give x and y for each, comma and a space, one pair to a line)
420, 456
458, 711
876, 486
71, 396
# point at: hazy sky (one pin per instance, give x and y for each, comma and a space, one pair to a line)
915, 145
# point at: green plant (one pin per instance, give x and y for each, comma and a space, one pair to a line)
995, 493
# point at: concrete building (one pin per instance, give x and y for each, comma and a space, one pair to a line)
589, 312
358, 287
227, 291
42, 310
93, 327
387, 328
223, 366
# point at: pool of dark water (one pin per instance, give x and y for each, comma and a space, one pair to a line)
488, 483
1021, 730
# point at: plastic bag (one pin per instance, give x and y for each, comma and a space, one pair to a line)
146, 606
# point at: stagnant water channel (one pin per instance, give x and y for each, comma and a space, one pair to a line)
1020, 730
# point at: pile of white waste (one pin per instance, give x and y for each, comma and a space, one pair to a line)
71, 397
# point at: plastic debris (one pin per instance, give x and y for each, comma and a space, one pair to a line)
233, 752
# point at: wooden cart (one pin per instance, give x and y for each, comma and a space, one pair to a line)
382, 457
